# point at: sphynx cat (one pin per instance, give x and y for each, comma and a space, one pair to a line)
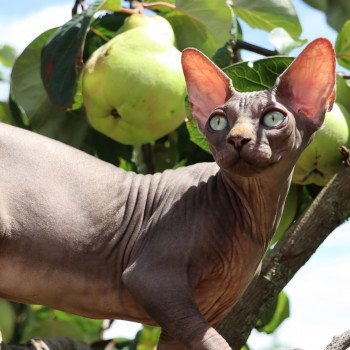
175, 249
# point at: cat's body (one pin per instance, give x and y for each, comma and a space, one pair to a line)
106, 231
175, 249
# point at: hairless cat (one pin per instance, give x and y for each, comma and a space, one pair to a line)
176, 248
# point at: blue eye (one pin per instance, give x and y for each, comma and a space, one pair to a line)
218, 122
273, 119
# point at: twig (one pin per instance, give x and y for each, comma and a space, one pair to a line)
159, 3
76, 5
239, 44
346, 153
327, 212
340, 342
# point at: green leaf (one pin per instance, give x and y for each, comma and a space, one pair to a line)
7, 55
273, 316
29, 94
147, 338
337, 12
111, 5
196, 136
318, 4
258, 75
342, 46
62, 57
269, 14
283, 42
204, 24
246, 76
5, 113
103, 29
343, 92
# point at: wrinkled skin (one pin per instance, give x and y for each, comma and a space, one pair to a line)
175, 249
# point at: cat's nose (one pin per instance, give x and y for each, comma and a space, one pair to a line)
238, 141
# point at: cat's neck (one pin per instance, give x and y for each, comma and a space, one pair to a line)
261, 200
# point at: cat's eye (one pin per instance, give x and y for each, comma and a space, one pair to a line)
273, 119
218, 122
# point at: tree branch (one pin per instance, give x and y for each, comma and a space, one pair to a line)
340, 342
239, 44
330, 208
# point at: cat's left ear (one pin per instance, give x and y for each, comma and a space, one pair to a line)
308, 83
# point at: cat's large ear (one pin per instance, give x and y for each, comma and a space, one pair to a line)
308, 83
207, 85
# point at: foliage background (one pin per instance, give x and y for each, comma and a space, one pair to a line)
327, 271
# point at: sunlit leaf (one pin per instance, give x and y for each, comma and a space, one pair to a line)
204, 24
269, 14
7, 55
283, 42
273, 316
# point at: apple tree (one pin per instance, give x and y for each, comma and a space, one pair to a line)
109, 82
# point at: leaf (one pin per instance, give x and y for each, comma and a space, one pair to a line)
269, 14
343, 92
5, 114
342, 46
7, 55
147, 338
103, 29
196, 136
46, 322
283, 42
62, 57
111, 5
337, 11
246, 76
258, 75
203, 24
318, 4
279, 311
29, 94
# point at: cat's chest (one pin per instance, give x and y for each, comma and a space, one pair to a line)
219, 289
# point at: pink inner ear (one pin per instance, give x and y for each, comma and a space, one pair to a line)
207, 85
310, 79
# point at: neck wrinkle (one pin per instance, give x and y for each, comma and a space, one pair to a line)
261, 203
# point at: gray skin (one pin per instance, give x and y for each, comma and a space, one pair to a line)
177, 248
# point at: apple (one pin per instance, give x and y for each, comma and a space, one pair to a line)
133, 86
321, 159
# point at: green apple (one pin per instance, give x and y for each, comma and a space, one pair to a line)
321, 159
288, 214
133, 86
7, 320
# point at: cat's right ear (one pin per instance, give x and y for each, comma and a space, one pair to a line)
207, 85
308, 83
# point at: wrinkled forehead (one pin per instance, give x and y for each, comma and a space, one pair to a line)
249, 104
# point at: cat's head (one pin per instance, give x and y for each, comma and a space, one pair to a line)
252, 131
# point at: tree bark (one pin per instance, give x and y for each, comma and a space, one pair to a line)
340, 342
329, 209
